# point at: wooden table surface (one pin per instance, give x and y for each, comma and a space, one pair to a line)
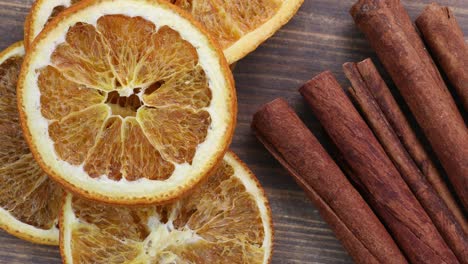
321, 36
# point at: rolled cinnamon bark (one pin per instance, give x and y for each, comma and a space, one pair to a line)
295, 147
434, 206
445, 39
385, 24
381, 182
384, 98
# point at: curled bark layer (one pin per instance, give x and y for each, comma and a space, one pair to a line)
281, 131
375, 173
392, 35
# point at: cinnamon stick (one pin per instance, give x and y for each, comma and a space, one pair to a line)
295, 147
393, 114
445, 39
386, 25
388, 194
434, 206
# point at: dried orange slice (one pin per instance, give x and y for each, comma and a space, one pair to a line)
29, 200
127, 101
239, 25
225, 220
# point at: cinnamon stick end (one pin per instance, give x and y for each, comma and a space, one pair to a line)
278, 103
348, 66
365, 63
351, 71
363, 7
323, 77
432, 12
359, 8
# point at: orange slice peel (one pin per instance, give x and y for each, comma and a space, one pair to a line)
29, 200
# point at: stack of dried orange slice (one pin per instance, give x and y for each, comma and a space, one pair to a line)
132, 103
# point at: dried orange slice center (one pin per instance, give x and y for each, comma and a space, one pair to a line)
225, 220
130, 94
148, 78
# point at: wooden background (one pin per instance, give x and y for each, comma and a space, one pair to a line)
321, 36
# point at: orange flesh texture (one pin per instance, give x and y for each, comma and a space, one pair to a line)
125, 99
227, 20
222, 218
25, 192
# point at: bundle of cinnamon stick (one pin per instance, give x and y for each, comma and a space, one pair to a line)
402, 210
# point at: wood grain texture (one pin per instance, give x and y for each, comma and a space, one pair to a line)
321, 36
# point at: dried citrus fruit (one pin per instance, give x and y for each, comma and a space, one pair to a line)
225, 220
127, 102
29, 200
239, 25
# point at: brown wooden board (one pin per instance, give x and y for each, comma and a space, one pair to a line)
321, 36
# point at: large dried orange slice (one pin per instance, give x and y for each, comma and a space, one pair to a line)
29, 200
225, 220
239, 25
127, 101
